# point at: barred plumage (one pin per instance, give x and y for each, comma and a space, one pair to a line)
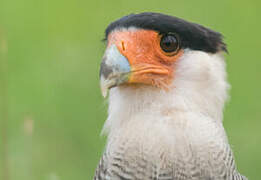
206, 156
121, 169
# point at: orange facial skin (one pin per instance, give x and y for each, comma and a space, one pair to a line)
149, 63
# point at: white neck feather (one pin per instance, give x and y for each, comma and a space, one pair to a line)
199, 87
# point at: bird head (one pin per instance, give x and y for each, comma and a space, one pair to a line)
143, 49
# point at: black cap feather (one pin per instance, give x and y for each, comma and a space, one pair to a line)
191, 35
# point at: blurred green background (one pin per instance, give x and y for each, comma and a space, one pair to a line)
51, 107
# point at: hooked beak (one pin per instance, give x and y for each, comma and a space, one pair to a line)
114, 70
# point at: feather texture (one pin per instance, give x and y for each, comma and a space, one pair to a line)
178, 134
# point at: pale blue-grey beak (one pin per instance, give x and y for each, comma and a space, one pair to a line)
114, 70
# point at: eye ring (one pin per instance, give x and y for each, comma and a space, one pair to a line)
169, 44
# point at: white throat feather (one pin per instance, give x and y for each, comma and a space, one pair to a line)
199, 86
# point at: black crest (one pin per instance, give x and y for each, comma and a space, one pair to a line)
191, 35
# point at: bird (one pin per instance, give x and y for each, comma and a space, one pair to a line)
166, 83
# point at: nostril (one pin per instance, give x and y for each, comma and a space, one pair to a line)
122, 45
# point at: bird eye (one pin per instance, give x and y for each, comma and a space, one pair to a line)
169, 43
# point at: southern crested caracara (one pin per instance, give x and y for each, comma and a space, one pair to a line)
168, 86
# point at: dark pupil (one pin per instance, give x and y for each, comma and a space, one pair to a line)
168, 43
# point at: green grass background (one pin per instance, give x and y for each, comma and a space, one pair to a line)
54, 105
